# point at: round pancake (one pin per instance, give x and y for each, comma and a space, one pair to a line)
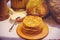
32, 21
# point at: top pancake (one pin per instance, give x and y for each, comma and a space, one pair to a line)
32, 21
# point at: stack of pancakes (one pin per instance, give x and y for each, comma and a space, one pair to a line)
32, 27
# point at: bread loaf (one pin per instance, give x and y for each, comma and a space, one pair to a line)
3, 10
38, 8
54, 6
18, 4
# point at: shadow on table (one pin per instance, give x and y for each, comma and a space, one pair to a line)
7, 38
10, 38
51, 22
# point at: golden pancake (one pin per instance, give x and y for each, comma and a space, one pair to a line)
32, 21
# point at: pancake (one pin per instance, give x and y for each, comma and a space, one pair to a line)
32, 21
32, 27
